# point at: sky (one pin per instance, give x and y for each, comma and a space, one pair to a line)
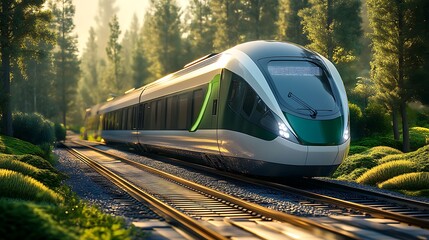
86, 10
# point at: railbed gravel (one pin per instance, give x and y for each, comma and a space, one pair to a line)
99, 192
266, 197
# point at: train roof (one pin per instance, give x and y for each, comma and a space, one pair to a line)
257, 50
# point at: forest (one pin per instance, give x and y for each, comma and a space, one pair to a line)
381, 48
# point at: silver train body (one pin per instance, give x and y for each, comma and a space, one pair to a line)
261, 108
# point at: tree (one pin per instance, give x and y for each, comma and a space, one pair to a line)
200, 29
289, 26
66, 61
162, 38
334, 30
129, 46
106, 11
227, 14
139, 65
399, 33
259, 18
19, 21
89, 84
113, 51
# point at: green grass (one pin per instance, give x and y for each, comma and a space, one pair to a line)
48, 178
10, 145
386, 171
411, 181
16, 185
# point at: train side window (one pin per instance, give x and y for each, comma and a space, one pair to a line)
124, 113
141, 115
160, 114
197, 103
171, 113
182, 121
236, 92
152, 125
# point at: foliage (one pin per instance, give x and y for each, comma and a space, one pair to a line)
33, 128
356, 121
376, 120
33, 160
334, 35
386, 171
357, 149
28, 220
16, 185
408, 181
65, 55
353, 162
49, 178
113, 51
20, 21
16, 146
353, 175
381, 151
289, 25
89, 222
60, 132
378, 140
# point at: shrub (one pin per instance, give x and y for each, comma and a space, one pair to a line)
390, 158
16, 185
356, 121
60, 132
16, 146
419, 137
33, 160
386, 171
376, 120
375, 141
27, 220
33, 128
353, 175
354, 162
408, 181
46, 177
381, 151
357, 149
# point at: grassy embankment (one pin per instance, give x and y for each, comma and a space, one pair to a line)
388, 168
34, 204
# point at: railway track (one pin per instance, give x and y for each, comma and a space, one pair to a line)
399, 217
202, 212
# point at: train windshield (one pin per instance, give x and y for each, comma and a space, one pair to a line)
303, 87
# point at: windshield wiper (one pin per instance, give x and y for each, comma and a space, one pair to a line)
313, 112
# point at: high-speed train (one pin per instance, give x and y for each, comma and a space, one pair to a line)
261, 108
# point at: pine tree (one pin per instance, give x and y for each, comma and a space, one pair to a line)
399, 35
19, 21
129, 46
106, 11
259, 18
334, 30
66, 60
162, 38
113, 51
139, 65
227, 16
289, 26
200, 28
89, 84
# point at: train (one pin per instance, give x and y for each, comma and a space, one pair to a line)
261, 108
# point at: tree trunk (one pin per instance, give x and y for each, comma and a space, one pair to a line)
405, 129
6, 123
395, 124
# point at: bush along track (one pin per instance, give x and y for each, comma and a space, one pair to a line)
35, 205
389, 168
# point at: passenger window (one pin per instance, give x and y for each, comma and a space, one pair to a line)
171, 114
160, 114
182, 120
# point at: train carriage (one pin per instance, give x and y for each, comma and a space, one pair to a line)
261, 108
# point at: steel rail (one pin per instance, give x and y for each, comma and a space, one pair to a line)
308, 225
375, 212
175, 217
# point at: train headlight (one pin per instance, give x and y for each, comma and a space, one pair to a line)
346, 133
286, 133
